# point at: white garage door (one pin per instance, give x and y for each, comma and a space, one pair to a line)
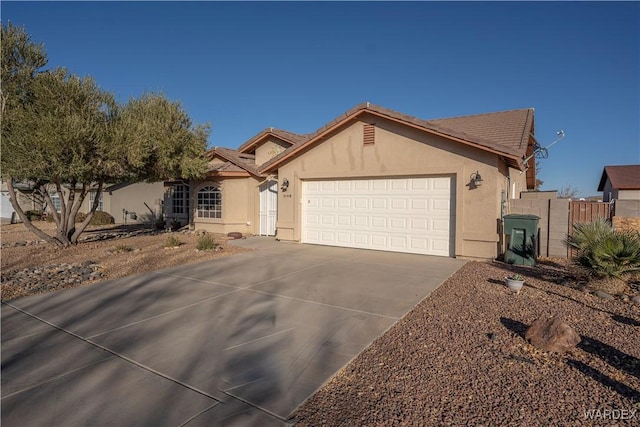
401, 215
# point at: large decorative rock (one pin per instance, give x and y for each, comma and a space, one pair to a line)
552, 334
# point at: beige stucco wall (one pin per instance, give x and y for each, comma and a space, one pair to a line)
403, 152
628, 194
268, 149
239, 206
133, 198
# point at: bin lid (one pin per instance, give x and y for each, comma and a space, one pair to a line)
521, 216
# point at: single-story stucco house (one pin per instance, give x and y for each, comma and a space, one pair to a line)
128, 203
620, 182
373, 178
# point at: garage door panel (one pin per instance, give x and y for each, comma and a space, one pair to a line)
420, 244
419, 204
327, 220
379, 185
379, 204
361, 204
312, 219
421, 184
361, 221
399, 243
343, 203
360, 239
419, 224
378, 241
359, 185
343, 238
343, 220
440, 245
441, 226
396, 224
399, 214
379, 222
399, 204
441, 184
440, 205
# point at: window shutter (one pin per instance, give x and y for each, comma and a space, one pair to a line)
369, 134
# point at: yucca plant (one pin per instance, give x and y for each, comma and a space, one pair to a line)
604, 251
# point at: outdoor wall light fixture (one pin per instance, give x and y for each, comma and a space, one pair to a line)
476, 179
285, 185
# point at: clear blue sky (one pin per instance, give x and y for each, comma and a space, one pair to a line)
245, 66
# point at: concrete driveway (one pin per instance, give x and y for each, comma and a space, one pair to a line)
242, 340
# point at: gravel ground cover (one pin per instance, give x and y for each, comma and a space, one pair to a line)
460, 358
31, 267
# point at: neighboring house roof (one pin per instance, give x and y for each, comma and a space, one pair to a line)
624, 177
507, 133
285, 136
235, 161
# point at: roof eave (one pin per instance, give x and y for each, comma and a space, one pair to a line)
295, 150
226, 174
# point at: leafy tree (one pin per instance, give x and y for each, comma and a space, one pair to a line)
539, 182
65, 135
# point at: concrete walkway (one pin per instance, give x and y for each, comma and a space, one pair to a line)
238, 341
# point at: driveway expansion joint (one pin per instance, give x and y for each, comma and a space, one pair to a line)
114, 353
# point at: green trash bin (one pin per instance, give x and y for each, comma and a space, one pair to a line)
521, 232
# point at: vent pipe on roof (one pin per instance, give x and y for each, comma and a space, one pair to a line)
367, 104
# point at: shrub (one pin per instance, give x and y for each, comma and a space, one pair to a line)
172, 242
33, 215
101, 218
206, 243
80, 216
604, 251
122, 247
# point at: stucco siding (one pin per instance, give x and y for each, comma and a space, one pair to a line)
269, 149
628, 194
238, 206
399, 151
132, 198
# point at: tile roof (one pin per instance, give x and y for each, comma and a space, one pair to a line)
506, 133
505, 130
286, 136
623, 177
235, 161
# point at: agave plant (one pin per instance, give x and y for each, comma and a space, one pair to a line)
604, 251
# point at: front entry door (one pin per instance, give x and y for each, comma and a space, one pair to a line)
268, 208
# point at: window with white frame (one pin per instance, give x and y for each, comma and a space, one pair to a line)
209, 202
180, 199
92, 198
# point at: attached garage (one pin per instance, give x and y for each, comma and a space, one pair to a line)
413, 215
375, 178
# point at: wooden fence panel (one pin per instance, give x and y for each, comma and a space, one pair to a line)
586, 212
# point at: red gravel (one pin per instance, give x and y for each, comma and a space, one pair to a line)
459, 358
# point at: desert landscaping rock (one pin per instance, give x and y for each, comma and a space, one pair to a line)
636, 299
50, 277
603, 295
38, 268
552, 334
439, 366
